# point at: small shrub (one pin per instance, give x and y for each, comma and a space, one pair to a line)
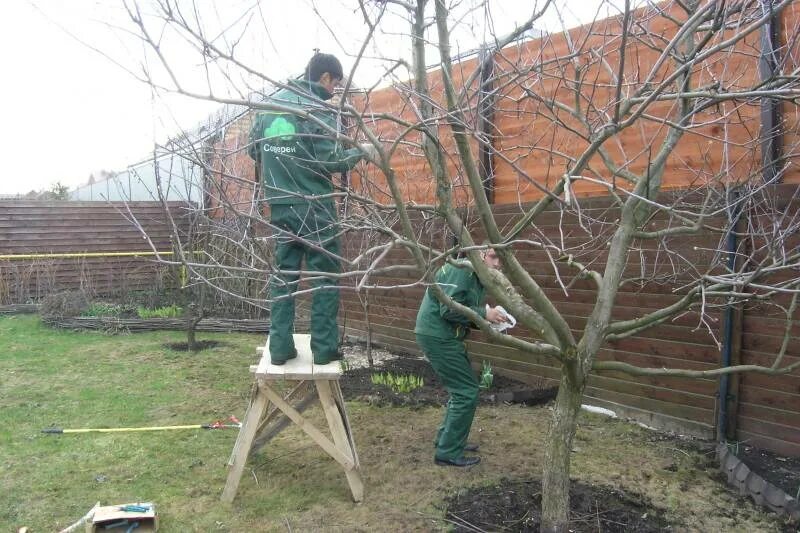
65, 304
398, 383
170, 311
102, 309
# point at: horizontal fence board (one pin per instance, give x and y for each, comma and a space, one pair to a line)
773, 406
686, 412
768, 414
83, 227
756, 424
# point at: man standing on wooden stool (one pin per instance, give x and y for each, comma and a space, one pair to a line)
440, 334
298, 153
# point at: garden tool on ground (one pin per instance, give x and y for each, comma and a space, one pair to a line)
219, 424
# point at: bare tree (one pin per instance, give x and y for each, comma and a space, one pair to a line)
656, 108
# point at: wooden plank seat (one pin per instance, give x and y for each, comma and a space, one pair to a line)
323, 378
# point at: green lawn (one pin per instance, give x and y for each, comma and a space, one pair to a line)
92, 380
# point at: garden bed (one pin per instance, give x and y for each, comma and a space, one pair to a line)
783, 472
764, 477
357, 384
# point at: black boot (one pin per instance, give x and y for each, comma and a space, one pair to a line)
460, 462
469, 447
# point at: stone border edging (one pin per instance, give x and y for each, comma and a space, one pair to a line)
158, 324
16, 309
748, 483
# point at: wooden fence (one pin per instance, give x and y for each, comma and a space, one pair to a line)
765, 410
60, 245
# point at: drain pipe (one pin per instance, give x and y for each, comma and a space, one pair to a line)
731, 243
771, 140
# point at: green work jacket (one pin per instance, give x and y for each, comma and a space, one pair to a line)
462, 285
296, 154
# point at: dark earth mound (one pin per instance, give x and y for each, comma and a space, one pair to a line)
516, 506
357, 384
199, 345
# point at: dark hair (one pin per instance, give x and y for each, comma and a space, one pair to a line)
322, 63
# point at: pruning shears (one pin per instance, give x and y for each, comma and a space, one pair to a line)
219, 424
131, 508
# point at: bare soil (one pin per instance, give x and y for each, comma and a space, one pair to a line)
199, 345
514, 505
783, 472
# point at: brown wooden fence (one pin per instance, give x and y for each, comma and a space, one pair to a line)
81, 245
534, 143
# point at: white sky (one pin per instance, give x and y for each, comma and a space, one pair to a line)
69, 111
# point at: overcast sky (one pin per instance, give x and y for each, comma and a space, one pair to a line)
70, 111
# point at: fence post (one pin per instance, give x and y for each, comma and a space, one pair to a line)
771, 109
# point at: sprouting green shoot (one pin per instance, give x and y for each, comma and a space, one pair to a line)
487, 377
398, 383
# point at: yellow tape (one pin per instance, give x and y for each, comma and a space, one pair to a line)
81, 254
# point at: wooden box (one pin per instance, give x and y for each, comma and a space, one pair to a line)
112, 514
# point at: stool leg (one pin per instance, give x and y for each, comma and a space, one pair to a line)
301, 386
253, 394
339, 399
281, 422
243, 442
340, 436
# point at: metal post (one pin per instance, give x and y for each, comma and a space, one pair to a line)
771, 109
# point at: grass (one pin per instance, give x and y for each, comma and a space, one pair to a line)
170, 311
77, 379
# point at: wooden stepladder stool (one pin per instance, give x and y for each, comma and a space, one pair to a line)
326, 380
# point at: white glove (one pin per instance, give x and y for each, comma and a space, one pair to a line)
504, 325
371, 150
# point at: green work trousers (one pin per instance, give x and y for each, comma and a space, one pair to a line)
306, 230
449, 360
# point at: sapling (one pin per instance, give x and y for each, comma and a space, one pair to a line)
487, 377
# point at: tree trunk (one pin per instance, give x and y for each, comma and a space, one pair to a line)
195, 312
555, 477
369, 329
191, 342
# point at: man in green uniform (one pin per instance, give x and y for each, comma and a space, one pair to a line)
298, 152
440, 334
